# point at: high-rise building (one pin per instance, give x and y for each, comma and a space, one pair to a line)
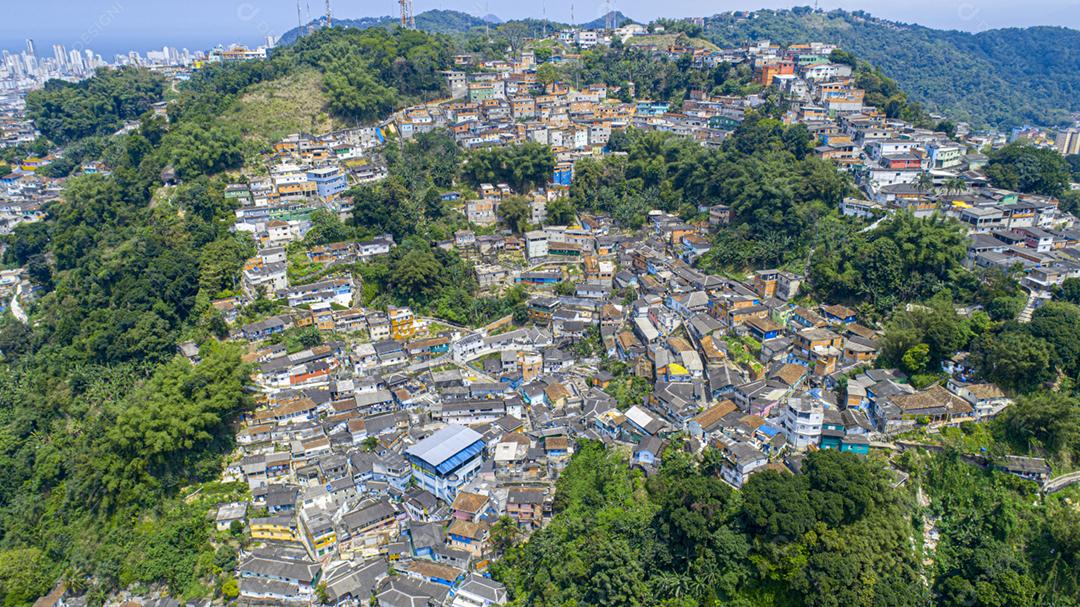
60, 54
1068, 141
30, 46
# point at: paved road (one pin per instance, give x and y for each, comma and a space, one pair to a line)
1060, 482
16, 307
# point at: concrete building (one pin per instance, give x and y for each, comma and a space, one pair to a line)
446, 460
801, 422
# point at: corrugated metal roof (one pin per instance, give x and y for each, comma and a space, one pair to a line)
442, 446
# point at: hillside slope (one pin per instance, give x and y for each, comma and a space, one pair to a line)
436, 21
1003, 77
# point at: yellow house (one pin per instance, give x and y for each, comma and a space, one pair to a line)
275, 528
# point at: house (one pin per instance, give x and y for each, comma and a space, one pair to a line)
987, 399
1030, 468
277, 575
469, 536
479, 591
351, 584
444, 461
801, 421
526, 506
741, 459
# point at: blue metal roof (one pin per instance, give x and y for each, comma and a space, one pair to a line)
460, 457
445, 445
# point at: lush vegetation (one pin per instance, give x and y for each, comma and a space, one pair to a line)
1003, 77
777, 191
1000, 543
684, 537
65, 111
522, 167
1022, 167
902, 259
836, 534
881, 91
650, 77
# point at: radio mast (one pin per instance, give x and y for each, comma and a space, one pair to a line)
407, 19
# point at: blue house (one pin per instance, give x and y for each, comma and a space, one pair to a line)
838, 314
648, 451
329, 181
563, 174
763, 329
652, 108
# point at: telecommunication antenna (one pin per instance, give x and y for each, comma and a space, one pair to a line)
407, 19
299, 20
329, 16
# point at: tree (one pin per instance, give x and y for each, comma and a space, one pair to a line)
948, 127
24, 576
1014, 360
776, 506
230, 589
1058, 323
924, 182
1046, 420
515, 212
1024, 167
916, 358
326, 228
504, 534
560, 212
524, 166
955, 185
1069, 291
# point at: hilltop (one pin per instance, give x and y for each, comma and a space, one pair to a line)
1002, 77
433, 21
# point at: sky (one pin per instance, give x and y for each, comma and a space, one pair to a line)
115, 26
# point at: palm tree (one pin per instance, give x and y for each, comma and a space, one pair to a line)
955, 185
924, 182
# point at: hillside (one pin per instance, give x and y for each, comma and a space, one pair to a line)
271, 110
1003, 78
433, 21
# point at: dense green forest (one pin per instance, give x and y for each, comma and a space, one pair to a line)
838, 534
1003, 77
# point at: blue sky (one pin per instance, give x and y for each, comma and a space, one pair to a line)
111, 26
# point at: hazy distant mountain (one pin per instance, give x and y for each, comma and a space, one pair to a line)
490, 18
1001, 77
605, 20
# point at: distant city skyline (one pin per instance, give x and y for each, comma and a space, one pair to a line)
118, 26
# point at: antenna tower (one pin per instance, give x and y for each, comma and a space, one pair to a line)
407, 19
329, 16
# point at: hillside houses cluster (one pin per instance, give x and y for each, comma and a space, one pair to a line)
401, 446
305, 173
381, 456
